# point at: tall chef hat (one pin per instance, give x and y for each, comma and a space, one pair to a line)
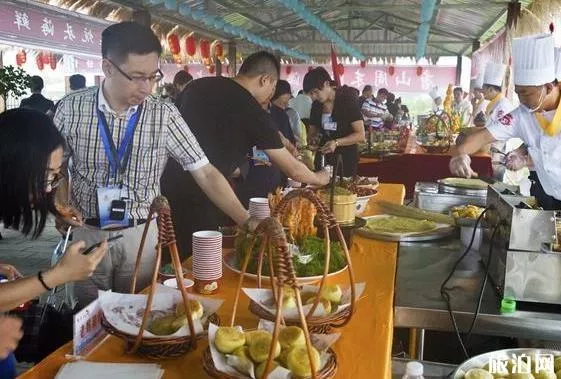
435, 93
533, 59
558, 63
494, 74
479, 80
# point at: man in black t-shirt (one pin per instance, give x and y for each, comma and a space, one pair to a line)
37, 101
227, 119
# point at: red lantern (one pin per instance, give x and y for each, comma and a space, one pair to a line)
211, 69
310, 68
173, 44
218, 49
288, 69
391, 70
419, 71
39, 61
341, 69
204, 46
53, 61
46, 57
190, 45
362, 64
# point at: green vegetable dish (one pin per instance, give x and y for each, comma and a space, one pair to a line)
308, 262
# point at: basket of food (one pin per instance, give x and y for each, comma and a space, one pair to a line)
332, 311
364, 188
165, 322
235, 353
435, 134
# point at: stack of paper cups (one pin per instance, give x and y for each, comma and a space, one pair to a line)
259, 208
207, 261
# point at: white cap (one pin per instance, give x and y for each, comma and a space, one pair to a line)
494, 74
533, 60
435, 93
558, 63
414, 369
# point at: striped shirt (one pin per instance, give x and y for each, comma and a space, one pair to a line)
160, 133
379, 109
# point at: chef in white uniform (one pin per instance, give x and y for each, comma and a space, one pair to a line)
436, 97
479, 103
493, 78
537, 121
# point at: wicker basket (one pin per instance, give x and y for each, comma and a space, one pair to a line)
282, 275
325, 221
159, 348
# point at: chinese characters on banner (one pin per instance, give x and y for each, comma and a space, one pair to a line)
404, 79
87, 329
39, 26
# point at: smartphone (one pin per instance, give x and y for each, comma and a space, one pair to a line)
95, 246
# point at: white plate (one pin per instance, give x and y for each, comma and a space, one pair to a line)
172, 283
230, 262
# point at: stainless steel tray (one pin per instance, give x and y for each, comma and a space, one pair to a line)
434, 235
481, 360
461, 190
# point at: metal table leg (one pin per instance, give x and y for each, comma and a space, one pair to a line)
420, 344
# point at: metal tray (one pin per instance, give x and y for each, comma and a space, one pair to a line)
434, 235
481, 360
462, 190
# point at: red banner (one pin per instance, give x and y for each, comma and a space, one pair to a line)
33, 25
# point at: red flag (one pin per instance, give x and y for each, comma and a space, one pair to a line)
334, 67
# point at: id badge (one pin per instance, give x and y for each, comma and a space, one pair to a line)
330, 126
112, 209
261, 155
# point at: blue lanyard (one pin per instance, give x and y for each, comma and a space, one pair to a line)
118, 159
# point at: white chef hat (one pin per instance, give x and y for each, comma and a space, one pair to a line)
479, 80
533, 59
558, 63
435, 93
494, 74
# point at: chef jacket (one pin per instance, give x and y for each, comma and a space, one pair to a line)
500, 108
544, 150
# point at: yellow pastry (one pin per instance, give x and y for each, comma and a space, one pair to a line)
254, 334
194, 305
478, 373
326, 304
162, 326
228, 339
289, 302
332, 293
299, 363
259, 348
291, 336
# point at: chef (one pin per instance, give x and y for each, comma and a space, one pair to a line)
497, 107
537, 121
479, 103
436, 97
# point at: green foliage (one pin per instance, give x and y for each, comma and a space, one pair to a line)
13, 81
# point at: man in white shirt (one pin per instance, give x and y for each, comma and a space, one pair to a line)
462, 106
302, 103
537, 121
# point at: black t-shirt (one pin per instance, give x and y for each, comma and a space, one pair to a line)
38, 102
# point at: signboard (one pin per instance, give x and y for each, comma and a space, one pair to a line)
29, 24
88, 331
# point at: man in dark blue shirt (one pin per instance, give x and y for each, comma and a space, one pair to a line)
37, 101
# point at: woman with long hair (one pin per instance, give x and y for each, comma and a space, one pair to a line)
31, 158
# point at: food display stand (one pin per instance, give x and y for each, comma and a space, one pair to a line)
360, 358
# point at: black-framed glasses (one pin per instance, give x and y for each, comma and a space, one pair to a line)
158, 76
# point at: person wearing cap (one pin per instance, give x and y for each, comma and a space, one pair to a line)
493, 79
479, 102
462, 106
336, 122
279, 104
437, 99
537, 121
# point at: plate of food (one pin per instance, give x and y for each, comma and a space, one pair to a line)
512, 363
308, 257
397, 228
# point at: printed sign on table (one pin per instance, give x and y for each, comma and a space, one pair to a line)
88, 331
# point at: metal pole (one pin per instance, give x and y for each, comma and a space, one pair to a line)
458, 70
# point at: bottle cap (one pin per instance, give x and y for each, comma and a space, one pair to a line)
414, 369
508, 305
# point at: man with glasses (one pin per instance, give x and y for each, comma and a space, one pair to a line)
120, 138
537, 121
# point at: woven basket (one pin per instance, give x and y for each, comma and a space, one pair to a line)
159, 348
326, 221
328, 371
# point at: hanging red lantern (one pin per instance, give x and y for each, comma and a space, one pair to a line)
211, 69
391, 70
173, 44
288, 69
419, 71
46, 57
341, 69
218, 49
53, 61
39, 61
204, 46
310, 68
190, 45
362, 64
